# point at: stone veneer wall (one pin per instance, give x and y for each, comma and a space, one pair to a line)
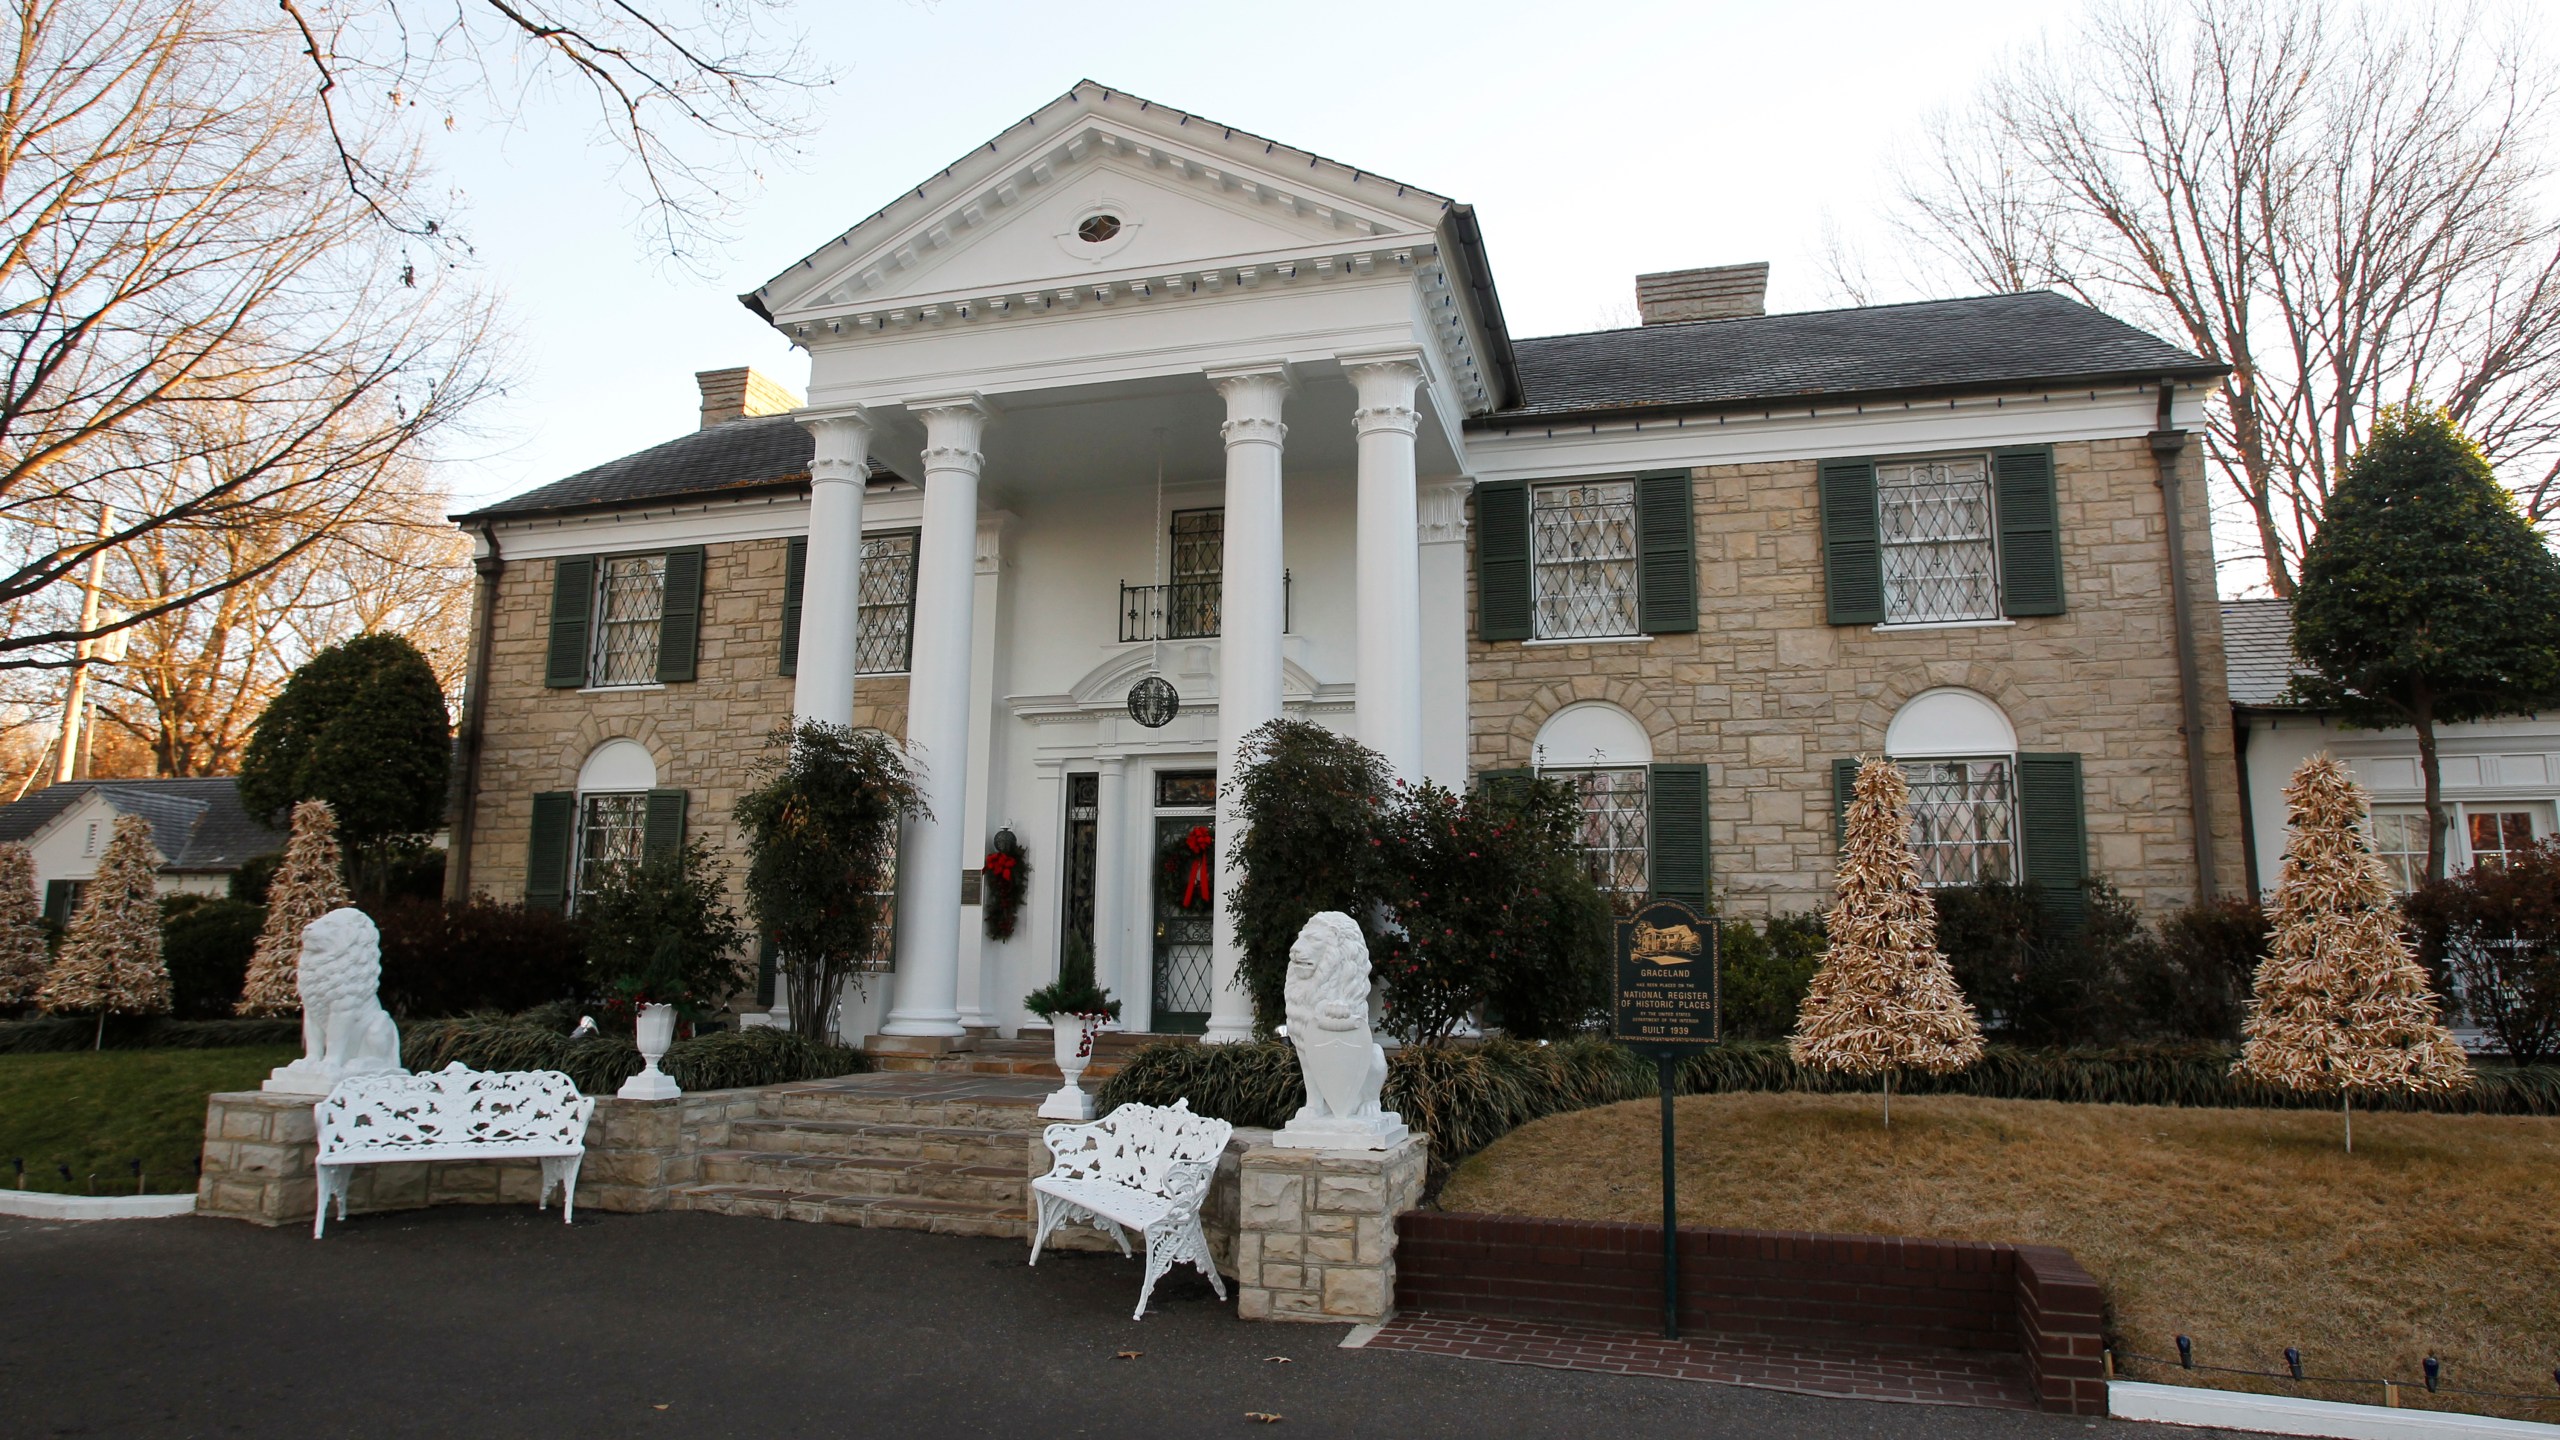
705, 734
1768, 693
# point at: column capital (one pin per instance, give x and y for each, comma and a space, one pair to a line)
1443, 505
1386, 381
842, 437
953, 425
992, 526
1254, 396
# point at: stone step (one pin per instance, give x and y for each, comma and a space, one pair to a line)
942, 1217
965, 1145
982, 1103
870, 1176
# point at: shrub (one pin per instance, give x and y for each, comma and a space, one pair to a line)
599, 1065
206, 942
440, 959
822, 827
2496, 932
50, 1033
1309, 798
1074, 992
255, 874
661, 931
1765, 971
2207, 956
363, 726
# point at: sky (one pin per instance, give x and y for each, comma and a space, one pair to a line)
1596, 141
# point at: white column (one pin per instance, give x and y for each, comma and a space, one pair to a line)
1249, 625
1111, 969
1387, 669
831, 583
926, 997
983, 1002
1446, 736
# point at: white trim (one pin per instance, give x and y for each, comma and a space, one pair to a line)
2286, 1415
1898, 627
622, 689
40, 1205
1638, 639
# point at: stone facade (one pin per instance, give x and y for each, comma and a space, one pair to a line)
1768, 694
705, 734
260, 1154
1316, 1230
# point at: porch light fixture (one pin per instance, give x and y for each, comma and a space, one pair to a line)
1153, 702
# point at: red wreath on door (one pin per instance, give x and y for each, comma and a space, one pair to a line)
1186, 869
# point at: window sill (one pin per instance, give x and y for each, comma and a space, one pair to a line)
621, 689
1596, 640
861, 675
1911, 625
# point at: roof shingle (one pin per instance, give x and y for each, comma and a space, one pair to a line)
2257, 651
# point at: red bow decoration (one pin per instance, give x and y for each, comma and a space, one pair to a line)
999, 866
1196, 886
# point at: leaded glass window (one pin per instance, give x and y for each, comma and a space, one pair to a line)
1199, 573
1964, 820
610, 830
884, 627
1582, 539
1615, 837
1940, 562
631, 598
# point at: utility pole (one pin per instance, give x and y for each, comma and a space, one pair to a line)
69, 752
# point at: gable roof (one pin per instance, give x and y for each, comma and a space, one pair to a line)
196, 824
1986, 342
2257, 652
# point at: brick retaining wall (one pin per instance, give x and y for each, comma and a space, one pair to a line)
1946, 1294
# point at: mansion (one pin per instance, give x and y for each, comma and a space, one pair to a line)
1129, 432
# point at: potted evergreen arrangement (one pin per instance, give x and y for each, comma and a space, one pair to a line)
1077, 1009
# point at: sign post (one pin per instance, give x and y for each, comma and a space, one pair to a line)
1667, 1007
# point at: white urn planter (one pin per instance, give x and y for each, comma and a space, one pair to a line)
1072, 1038
657, 1032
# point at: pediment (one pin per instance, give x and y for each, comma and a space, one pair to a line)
1188, 194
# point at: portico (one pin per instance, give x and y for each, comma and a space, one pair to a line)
1108, 313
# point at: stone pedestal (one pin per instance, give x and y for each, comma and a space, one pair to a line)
261, 1152
1316, 1230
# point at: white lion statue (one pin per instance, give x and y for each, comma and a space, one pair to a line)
345, 1030
1326, 996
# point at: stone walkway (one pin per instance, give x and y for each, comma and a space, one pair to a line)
1922, 1377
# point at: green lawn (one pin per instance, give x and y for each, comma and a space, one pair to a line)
99, 1111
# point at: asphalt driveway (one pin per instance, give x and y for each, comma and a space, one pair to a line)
503, 1322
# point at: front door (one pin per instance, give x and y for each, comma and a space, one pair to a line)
1185, 802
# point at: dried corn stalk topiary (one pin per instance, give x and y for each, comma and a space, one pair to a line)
307, 886
1884, 999
23, 957
110, 962
2341, 1005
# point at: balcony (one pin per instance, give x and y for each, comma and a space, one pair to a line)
1182, 610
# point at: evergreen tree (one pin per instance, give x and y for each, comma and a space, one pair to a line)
23, 957
1884, 1000
2427, 598
2341, 1004
307, 886
363, 726
110, 962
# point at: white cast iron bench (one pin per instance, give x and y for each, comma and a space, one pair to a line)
1146, 1167
453, 1114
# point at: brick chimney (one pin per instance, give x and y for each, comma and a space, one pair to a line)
1717, 292
740, 393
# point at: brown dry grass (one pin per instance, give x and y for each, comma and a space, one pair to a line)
2249, 1230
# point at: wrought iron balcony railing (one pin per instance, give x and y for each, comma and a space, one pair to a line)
1182, 610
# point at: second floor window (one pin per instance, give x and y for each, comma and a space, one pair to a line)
1934, 521
1199, 540
1582, 546
631, 596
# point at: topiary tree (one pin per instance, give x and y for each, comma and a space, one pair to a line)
23, 956
110, 961
308, 885
1308, 799
660, 931
363, 726
2427, 599
1884, 1000
822, 840
2340, 1004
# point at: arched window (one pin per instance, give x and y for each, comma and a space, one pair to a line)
1608, 757
613, 812
1960, 754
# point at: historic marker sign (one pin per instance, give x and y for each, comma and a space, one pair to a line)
1666, 990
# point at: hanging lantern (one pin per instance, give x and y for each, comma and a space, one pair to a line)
1153, 702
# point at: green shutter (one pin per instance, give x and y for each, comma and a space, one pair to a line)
2053, 834
1852, 555
573, 601
2030, 531
662, 825
680, 616
546, 860
1502, 561
1488, 781
764, 972
795, 573
59, 897
1666, 554
1676, 831
1844, 788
